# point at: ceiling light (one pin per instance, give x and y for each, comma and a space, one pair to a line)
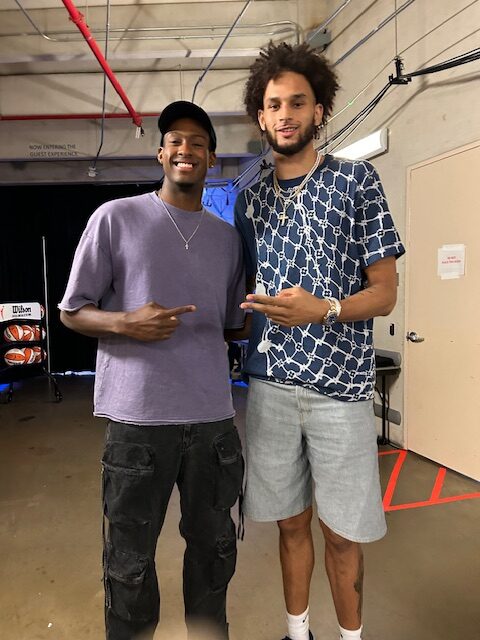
368, 147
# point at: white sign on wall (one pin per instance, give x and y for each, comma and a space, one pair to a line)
451, 261
50, 150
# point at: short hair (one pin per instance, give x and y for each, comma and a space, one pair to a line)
275, 59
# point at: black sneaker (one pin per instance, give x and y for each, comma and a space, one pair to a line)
310, 636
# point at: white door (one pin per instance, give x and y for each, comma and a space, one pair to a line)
442, 372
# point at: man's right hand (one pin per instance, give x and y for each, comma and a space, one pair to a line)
151, 322
148, 323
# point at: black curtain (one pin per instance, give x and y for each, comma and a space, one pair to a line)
59, 213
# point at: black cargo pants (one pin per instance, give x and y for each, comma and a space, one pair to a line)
140, 468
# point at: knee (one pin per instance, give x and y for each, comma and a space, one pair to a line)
338, 545
224, 562
296, 527
211, 551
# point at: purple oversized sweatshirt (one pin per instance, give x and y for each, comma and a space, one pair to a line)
130, 254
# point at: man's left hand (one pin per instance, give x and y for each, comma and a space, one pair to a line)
290, 308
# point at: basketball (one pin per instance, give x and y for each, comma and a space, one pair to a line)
29, 355
40, 354
24, 333
38, 332
28, 333
19, 356
13, 333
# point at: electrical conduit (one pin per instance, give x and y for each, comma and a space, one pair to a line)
77, 19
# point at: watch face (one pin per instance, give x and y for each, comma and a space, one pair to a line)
330, 318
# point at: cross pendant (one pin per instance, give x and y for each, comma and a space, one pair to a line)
186, 245
283, 217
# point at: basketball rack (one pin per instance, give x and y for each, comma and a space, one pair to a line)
30, 337
24, 346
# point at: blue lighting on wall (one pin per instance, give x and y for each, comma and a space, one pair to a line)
220, 200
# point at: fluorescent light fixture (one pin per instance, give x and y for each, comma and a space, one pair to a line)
368, 147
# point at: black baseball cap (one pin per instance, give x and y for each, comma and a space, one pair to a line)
184, 109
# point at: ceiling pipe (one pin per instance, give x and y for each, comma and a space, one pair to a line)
74, 116
384, 22
325, 24
285, 27
77, 18
200, 79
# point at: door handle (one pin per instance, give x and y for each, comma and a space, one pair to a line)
414, 337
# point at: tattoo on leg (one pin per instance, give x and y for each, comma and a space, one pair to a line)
358, 585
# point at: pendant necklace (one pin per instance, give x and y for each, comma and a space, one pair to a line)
185, 240
287, 200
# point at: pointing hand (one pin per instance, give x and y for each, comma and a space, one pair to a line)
152, 322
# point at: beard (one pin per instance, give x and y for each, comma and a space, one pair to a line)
291, 149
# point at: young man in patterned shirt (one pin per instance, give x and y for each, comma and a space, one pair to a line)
320, 247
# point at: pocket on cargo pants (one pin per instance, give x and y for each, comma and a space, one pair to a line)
127, 482
130, 585
229, 470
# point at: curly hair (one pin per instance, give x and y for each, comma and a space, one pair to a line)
275, 60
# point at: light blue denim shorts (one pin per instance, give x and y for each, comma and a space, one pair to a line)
296, 435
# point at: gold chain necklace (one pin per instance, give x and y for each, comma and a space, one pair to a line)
186, 240
285, 201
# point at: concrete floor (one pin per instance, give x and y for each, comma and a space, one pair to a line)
422, 580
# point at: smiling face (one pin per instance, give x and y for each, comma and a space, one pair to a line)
185, 155
290, 113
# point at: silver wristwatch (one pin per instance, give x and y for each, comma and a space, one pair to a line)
333, 312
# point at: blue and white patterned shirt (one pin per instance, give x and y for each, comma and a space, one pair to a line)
338, 225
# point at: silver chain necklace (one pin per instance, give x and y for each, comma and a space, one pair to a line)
286, 200
186, 240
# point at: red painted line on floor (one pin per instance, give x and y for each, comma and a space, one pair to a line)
435, 495
389, 453
464, 496
392, 482
437, 487
430, 503
408, 505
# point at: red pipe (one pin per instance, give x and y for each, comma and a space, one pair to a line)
77, 18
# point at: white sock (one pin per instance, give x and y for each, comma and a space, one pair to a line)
298, 626
346, 634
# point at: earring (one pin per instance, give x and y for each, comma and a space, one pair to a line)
263, 141
318, 131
